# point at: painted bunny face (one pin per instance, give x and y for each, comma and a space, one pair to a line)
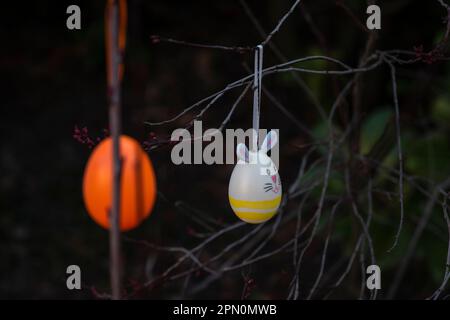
261, 159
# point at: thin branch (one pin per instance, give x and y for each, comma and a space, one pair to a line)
399, 153
280, 23
415, 238
186, 252
325, 249
353, 17
301, 83
283, 67
369, 217
441, 288
155, 39
359, 218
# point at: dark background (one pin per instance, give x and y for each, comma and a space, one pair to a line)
53, 79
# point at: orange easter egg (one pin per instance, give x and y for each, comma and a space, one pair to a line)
137, 184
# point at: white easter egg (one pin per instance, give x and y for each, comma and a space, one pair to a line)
255, 189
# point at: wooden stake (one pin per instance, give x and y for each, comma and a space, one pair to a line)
113, 65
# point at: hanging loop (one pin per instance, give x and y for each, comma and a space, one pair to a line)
257, 77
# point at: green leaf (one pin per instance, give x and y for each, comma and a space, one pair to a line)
373, 128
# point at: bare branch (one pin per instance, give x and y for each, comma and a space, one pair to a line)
415, 238
280, 23
399, 152
157, 39
441, 288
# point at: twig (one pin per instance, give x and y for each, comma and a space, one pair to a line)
353, 17
301, 83
351, 260
283, 109
197, 248
359, 218
324, 253
283, 67
294, 283
441, 288
399, 153
157, 39
373, 296
415, 238
280, 23
186, 252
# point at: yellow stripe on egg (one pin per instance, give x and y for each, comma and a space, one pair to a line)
263, 204
255, 217
255, 211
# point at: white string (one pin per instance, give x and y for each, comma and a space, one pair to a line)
257, 77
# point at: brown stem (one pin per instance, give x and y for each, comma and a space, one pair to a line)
113, 66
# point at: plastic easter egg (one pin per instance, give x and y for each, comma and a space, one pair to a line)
255, 188
137, 188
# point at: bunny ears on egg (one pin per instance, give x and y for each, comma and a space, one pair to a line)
269, 142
